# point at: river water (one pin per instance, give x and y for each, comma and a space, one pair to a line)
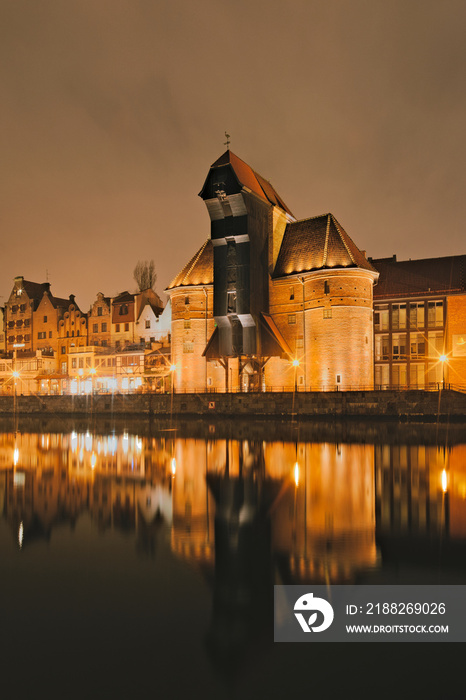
140, 559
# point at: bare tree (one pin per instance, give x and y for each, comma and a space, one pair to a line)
145, 275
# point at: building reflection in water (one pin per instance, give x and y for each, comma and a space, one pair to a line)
248, 514
324, 503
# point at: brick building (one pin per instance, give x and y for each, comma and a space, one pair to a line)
420, 322
269, 302
24, 299
99, 321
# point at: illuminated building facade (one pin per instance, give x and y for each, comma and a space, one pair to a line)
99, 321
19, 309
270, 302
420, 323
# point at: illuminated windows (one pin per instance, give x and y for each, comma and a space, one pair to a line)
435, 313
398, 316
416, 314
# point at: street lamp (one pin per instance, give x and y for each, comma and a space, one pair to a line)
443, 359
295, 364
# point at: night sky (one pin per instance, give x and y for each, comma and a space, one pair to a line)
113, 110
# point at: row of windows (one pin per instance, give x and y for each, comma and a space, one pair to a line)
19, 338
95, 328
117, 327
418, 376
419, 314
417, 346
26, 323
43, 334
21, 307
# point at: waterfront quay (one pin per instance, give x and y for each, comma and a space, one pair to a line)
411, 406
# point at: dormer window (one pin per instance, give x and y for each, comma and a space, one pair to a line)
123, 309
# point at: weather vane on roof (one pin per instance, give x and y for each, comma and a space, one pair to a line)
227, 142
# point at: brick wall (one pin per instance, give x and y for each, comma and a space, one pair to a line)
455, 369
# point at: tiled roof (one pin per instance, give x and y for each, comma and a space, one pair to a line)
34, 290
252, 180
315, 244
199, 270
123, 297
57, 302
418, 277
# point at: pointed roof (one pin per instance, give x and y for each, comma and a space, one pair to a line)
248, 177
35, 290
315, 244
199, 270
123, 297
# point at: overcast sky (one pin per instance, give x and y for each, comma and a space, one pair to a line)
112, 112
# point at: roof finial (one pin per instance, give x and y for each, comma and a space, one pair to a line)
227, 142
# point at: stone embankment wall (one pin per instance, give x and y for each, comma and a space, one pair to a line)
408, 405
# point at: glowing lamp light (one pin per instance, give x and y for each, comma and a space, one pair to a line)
93, 460
444, 481
295, 363
16, 374
296, 474
20, 534
93, 370
172, 368
443, 358
173, 463
15, 456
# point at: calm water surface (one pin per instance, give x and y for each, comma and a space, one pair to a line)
137, 564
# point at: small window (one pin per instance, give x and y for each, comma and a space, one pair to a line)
338, 378
63, 350
50, 334
291, 293
326, 287
45, 319
104, 343
123, 310
187, 323
188, 346
126, 326
186, 300
117, 328
104, 327
22, 308
81, 363
231, 302
291, 319
73, 363
95, 327
327, 313
99, 311
147, 323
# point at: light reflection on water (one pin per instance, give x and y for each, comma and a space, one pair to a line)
327, 505
214, 523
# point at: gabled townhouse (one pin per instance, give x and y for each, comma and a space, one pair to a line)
100, 321
46, 318
24, 299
